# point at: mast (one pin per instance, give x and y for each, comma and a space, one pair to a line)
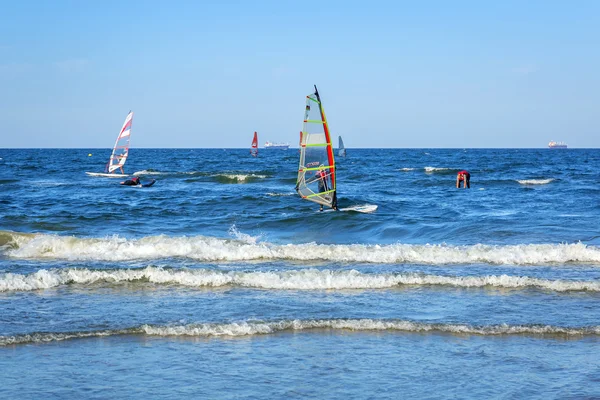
329, 146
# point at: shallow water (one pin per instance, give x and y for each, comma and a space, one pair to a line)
220, 282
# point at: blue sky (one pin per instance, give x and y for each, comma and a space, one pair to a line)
210, 73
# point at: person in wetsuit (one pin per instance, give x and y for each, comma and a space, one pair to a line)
465, 177
132, 182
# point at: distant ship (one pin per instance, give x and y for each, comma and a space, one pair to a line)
557, 145
282, 146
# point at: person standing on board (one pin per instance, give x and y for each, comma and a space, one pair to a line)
465, 177
321, 178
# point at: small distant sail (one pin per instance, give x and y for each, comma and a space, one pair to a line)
254, 147
121, 149
341, 148
316, 172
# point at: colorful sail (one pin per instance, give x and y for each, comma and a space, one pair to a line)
254, 147
121, 149
316, 173
341, 148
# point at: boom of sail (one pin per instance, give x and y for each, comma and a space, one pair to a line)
316, 172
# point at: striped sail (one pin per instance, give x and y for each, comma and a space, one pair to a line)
121, 149
316, 172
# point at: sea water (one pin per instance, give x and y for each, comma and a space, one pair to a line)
220, 282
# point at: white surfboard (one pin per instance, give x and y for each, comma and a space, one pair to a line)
105, 175
366, 209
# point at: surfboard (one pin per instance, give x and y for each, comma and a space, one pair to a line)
105, 175
365, 209
148, 184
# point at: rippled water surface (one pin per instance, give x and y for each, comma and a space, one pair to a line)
220, 282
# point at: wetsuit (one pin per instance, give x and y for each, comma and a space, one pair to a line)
131, 182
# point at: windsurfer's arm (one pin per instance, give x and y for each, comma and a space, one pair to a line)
457, 181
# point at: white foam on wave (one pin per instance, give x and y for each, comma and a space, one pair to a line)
146, 172
306, 279
406, 169
252, 328
244, 237
535, 181
203, 248
242, 177
280, 194
436, 169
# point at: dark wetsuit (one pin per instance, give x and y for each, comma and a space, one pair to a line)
131, 182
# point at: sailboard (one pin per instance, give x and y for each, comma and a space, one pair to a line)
316, 172
341, 148
254, 147
119, 153
365, 209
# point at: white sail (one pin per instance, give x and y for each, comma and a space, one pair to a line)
316, 172
121, 149
341, 148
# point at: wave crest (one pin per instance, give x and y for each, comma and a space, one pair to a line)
306, 279
203, 248
252, 328
535, 181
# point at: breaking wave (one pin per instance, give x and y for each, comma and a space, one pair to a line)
535, 181
307, 279
252, 328
280, 194
238, 178
149, 172
441, 170
205, 248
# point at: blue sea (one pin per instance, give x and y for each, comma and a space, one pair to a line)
220, 282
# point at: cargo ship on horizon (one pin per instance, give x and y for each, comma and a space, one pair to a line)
282, 146
557, 145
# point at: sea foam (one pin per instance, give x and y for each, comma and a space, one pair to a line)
252, 328
205, 248
535, 181
304, 279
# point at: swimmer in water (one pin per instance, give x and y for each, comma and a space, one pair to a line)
132, 182
465, 177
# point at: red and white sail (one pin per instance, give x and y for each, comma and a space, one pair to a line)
254, 147
121, 149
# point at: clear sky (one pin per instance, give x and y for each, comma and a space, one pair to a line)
508, 73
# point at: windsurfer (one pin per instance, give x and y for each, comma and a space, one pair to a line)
132, 182
465, 177
321, 176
